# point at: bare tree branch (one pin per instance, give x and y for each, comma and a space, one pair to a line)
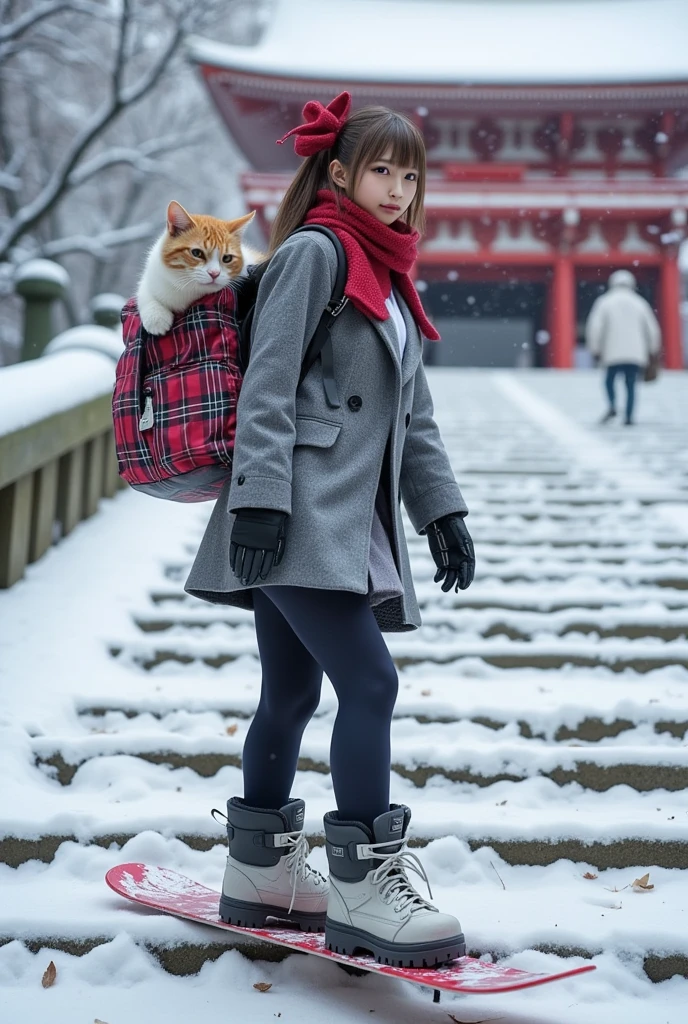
149, 80
99, 246
120, 51
29, 19
27, 217
9, 182
134, 192
141, 158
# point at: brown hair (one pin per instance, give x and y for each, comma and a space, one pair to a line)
365, 138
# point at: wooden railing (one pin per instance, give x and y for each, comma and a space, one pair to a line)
53, 472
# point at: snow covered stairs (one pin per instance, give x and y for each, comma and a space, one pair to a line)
540, 733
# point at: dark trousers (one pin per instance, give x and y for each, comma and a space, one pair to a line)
630, 374
302, 632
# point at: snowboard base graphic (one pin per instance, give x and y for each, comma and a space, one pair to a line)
168, 891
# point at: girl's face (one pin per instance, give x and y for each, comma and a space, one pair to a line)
383, 189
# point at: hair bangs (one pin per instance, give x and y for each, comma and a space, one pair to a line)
401, 137
385, 134
369, 134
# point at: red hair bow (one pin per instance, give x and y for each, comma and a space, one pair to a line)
323, 125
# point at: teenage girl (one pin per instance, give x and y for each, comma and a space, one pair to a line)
309, 534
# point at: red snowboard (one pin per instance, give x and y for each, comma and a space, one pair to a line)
172, 893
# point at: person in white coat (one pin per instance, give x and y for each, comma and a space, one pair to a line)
623, 332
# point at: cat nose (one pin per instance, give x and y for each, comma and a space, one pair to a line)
214, 274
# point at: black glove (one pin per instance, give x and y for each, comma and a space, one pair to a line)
452, 548
256, 543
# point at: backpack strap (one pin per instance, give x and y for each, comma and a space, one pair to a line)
321, 342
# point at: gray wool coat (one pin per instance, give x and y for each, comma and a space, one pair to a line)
340, 474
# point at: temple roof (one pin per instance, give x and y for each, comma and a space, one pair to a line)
480, 42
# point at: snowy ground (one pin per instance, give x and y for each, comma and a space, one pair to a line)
540, 734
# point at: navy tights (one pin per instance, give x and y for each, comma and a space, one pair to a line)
301, 633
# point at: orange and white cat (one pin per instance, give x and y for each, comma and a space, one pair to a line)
196, 255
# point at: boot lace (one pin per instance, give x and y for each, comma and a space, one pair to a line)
297, 866
393, 882
295, 861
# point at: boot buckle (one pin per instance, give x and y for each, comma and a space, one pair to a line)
364, 851
279, 839
270, 840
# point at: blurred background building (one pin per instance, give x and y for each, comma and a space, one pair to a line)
557, 135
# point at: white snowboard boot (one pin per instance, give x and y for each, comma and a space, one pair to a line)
267, 874
373, 906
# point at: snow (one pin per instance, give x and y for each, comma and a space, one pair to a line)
34, 390
120, 982
89, 338
465, 42
42, 270
566, 539
107, 300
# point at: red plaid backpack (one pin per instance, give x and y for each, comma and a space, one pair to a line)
175, 400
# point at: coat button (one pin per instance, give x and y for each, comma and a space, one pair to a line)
240, 479
408, 419
355, 403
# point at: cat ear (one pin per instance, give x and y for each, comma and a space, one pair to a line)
178, 220
236, 225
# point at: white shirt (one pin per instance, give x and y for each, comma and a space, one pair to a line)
398, 320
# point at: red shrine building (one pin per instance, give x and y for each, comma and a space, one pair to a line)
557, 135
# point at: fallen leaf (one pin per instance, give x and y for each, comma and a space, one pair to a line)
425, 693
263, 986
589, 874
641, 884
231, 729
48, 978
501, 804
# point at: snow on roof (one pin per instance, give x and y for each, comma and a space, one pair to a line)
466, 42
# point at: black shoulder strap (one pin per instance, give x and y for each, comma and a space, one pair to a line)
321, 342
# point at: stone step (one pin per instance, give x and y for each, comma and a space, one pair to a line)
521, 826
572, 542
668, 573
420, 753
553, 706
633, 623
617, 654
486, 594
68, 906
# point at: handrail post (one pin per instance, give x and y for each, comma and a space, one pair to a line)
40, 283
106, 309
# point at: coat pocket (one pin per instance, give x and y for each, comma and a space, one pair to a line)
319, 433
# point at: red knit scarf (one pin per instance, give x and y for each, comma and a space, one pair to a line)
378, 255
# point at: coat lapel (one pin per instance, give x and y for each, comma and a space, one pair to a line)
414, 344
387, 331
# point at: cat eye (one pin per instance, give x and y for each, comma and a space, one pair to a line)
198, 253
228, 258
